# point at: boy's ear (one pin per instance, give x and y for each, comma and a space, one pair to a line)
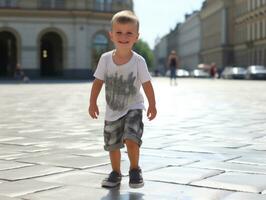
110, 35
137, 37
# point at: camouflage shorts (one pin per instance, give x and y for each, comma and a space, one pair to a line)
129, 127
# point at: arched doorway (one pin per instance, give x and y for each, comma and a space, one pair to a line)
51, 55
100, 45
8, 54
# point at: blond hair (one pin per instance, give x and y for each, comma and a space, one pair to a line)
124, 17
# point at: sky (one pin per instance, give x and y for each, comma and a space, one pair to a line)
158, 17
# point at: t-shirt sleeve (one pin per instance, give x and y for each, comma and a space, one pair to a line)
143, 72
100, 70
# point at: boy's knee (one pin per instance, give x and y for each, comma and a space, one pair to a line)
130, 143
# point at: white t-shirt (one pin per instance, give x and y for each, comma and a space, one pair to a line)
122, 84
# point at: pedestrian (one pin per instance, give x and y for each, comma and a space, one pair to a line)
213, 70
172, 64
19, 74
123, 72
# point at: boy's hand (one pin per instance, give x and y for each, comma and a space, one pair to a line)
151, 112
94, 111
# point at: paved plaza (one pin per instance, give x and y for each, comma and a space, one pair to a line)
208, 142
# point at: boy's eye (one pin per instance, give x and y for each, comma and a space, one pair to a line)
129, 33
118, 33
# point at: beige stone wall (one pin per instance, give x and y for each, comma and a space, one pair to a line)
217, 32
77, 5
77, 25
250, 25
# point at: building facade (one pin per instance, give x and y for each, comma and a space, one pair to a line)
172, 39
250, 32
160, 54
189, 41
55, 38
217, 31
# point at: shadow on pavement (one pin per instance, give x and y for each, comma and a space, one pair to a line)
115, 194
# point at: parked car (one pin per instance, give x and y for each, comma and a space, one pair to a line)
179, 73
234, 73
182, 73
199, 73
256, 72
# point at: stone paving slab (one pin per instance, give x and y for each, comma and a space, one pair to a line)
10, 138
75, 178
21, 142
4, 165
192, 155
23, 187
248, 159
180, 175
7, 198
257, 147
230, 166
92, 151
255, 183
30, 172
152, 190
148, 163
65, 160
11, 155
70, 193
202, 149
180, 192
244, 196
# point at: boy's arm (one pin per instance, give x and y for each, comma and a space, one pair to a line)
95, 91
149, 92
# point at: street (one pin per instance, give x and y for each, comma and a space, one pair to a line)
208, 142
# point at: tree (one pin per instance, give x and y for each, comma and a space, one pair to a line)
144, 50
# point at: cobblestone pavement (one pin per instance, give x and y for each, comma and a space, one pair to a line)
208, 142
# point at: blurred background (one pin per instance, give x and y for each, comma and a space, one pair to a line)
65, 38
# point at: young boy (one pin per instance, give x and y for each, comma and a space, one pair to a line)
123, 71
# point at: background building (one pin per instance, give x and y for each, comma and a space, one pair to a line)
55, 38
160, 54
227, 32
250, 32
217, 28
189, 41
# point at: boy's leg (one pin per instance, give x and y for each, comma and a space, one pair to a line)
133, 153
135, 173
114, 178
132, 138
115, 157
113, 143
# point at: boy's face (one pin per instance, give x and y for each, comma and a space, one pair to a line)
124, 36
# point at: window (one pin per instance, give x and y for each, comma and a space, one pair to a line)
108, 5
249, 5
100, 39
8, 3
103, 5
100, 45
52, 4
99, 5
59, 3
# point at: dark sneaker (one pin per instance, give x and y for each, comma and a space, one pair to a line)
135, 178
112, 180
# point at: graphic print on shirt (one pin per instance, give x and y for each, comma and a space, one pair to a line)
119, 91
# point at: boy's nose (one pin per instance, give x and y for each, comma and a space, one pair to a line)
124, 35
